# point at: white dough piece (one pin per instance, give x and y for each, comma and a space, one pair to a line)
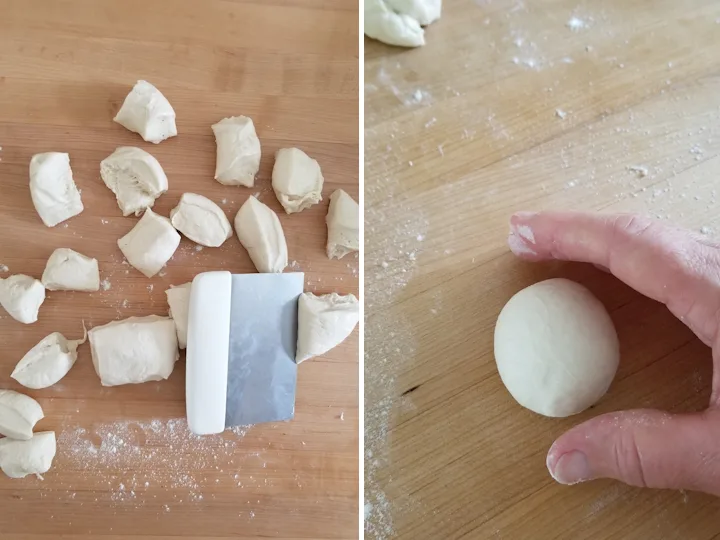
134, 350
68, 270
423, 11
556, 348
18, 414
259, 231
33, 456
238, 151
343, 224
21, 296
178, 298
48, 361
324, 322
135, 177
150, 243
147, 112
201, 220
393, 28
296, 180
52, 188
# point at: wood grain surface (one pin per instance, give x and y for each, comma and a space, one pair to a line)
126, 466
516, 105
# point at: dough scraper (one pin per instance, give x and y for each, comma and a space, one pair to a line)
242, 334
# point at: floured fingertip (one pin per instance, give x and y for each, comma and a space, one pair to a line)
519, 246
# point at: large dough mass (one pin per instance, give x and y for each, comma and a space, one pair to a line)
556, 348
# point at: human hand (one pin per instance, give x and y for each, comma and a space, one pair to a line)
642, 447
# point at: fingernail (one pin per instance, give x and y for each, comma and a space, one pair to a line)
518, 246
524, 215
571, 468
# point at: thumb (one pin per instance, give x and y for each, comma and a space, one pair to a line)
645, 448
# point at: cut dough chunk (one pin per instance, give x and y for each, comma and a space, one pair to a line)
385, 25
556, 348
68, 270
147, 112
296, 180
178, 298
343, 223
18, 414
259, 231
134, 350
324, 322
238, 151
52, 188
21, 296
33, 456
135, 177
201, 220
423, 11
48, 361
150, 243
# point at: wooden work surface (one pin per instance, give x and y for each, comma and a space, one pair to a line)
126, 466
507, 108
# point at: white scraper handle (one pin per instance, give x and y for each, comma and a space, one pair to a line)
208, 344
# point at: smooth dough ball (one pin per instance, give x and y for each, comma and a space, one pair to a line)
556, 348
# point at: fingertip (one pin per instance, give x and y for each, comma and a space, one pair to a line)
522, 216
519, 246
571, 468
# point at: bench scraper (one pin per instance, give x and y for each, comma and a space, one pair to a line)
242, 334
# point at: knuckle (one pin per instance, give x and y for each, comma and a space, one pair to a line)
631, 225
629, 462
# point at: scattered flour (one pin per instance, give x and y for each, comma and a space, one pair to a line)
130, 456
640, 170
576, 24
105, 284
390, 342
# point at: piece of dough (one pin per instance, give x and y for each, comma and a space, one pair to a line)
238, 151
48, 361
21, 296
385, 25
423, 11
150, 243
134, 350
147, 112
178, 298
68, 270
259, 231
343, 224
52, 188
556, 348
34, 456
135, 177
201, 220
324, 322
18, 414
296, 180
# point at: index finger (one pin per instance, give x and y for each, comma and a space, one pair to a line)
665, 263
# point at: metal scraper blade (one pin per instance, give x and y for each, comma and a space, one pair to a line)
262, 373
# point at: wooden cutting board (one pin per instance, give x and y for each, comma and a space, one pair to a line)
525, 105
126, 467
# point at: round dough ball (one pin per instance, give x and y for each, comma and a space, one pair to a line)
556, 348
